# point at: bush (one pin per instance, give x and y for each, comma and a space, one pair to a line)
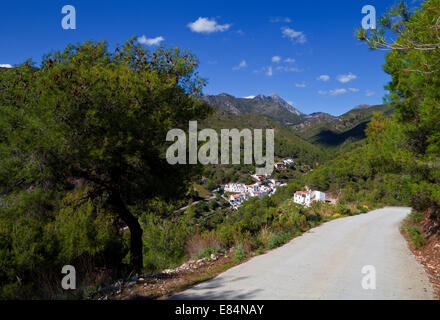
415, 217
277, 239
343, 210
412, 227
239, 253
40, 232
362, 208
416, 236
336, 216
164, 242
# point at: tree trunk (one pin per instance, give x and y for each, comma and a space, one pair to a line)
135, 231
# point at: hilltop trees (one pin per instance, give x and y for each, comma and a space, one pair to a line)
98, 117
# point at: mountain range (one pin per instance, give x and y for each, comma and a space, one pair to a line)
318, 128
271, 106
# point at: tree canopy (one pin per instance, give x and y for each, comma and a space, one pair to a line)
414, 64
98, 117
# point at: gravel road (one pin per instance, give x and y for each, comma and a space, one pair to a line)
326, 263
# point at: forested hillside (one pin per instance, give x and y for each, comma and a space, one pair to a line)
287, 141
332, 132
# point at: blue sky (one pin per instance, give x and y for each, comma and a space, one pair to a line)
305, 51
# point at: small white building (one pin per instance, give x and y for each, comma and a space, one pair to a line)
318, 196
235, 187
236, 200
305, 198
289, 162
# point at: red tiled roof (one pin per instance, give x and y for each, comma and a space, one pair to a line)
302, 192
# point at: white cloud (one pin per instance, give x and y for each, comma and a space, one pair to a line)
337, 92
295, 36
150, 42
276, 59
289, 60
353, 89
205, 25
322, 92
242, 64
300, 85
288, 69
369, 93
280, 19
323, 77
344, 78
269, 72
5, 66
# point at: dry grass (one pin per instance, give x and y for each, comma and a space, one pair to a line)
264, 235
199, 243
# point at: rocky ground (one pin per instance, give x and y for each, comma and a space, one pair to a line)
160, 285
429, 257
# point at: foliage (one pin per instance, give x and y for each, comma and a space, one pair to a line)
413, 65
412, 226
39, 235
164, 242
276, 240
101, 117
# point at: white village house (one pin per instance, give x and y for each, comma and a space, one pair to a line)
289, 162
305, 198
244, 192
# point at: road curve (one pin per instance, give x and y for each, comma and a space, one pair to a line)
326, 263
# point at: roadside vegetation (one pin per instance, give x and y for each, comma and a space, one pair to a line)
412, 227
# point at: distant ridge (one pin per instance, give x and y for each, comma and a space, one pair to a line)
319, 128
362, 106
271, 106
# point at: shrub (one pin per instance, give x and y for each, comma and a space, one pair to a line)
277, 239
415, 217
164, 242
343, 209
239, 253
416, 236
362, 208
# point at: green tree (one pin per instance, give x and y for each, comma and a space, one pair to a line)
413, 38
98, 116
